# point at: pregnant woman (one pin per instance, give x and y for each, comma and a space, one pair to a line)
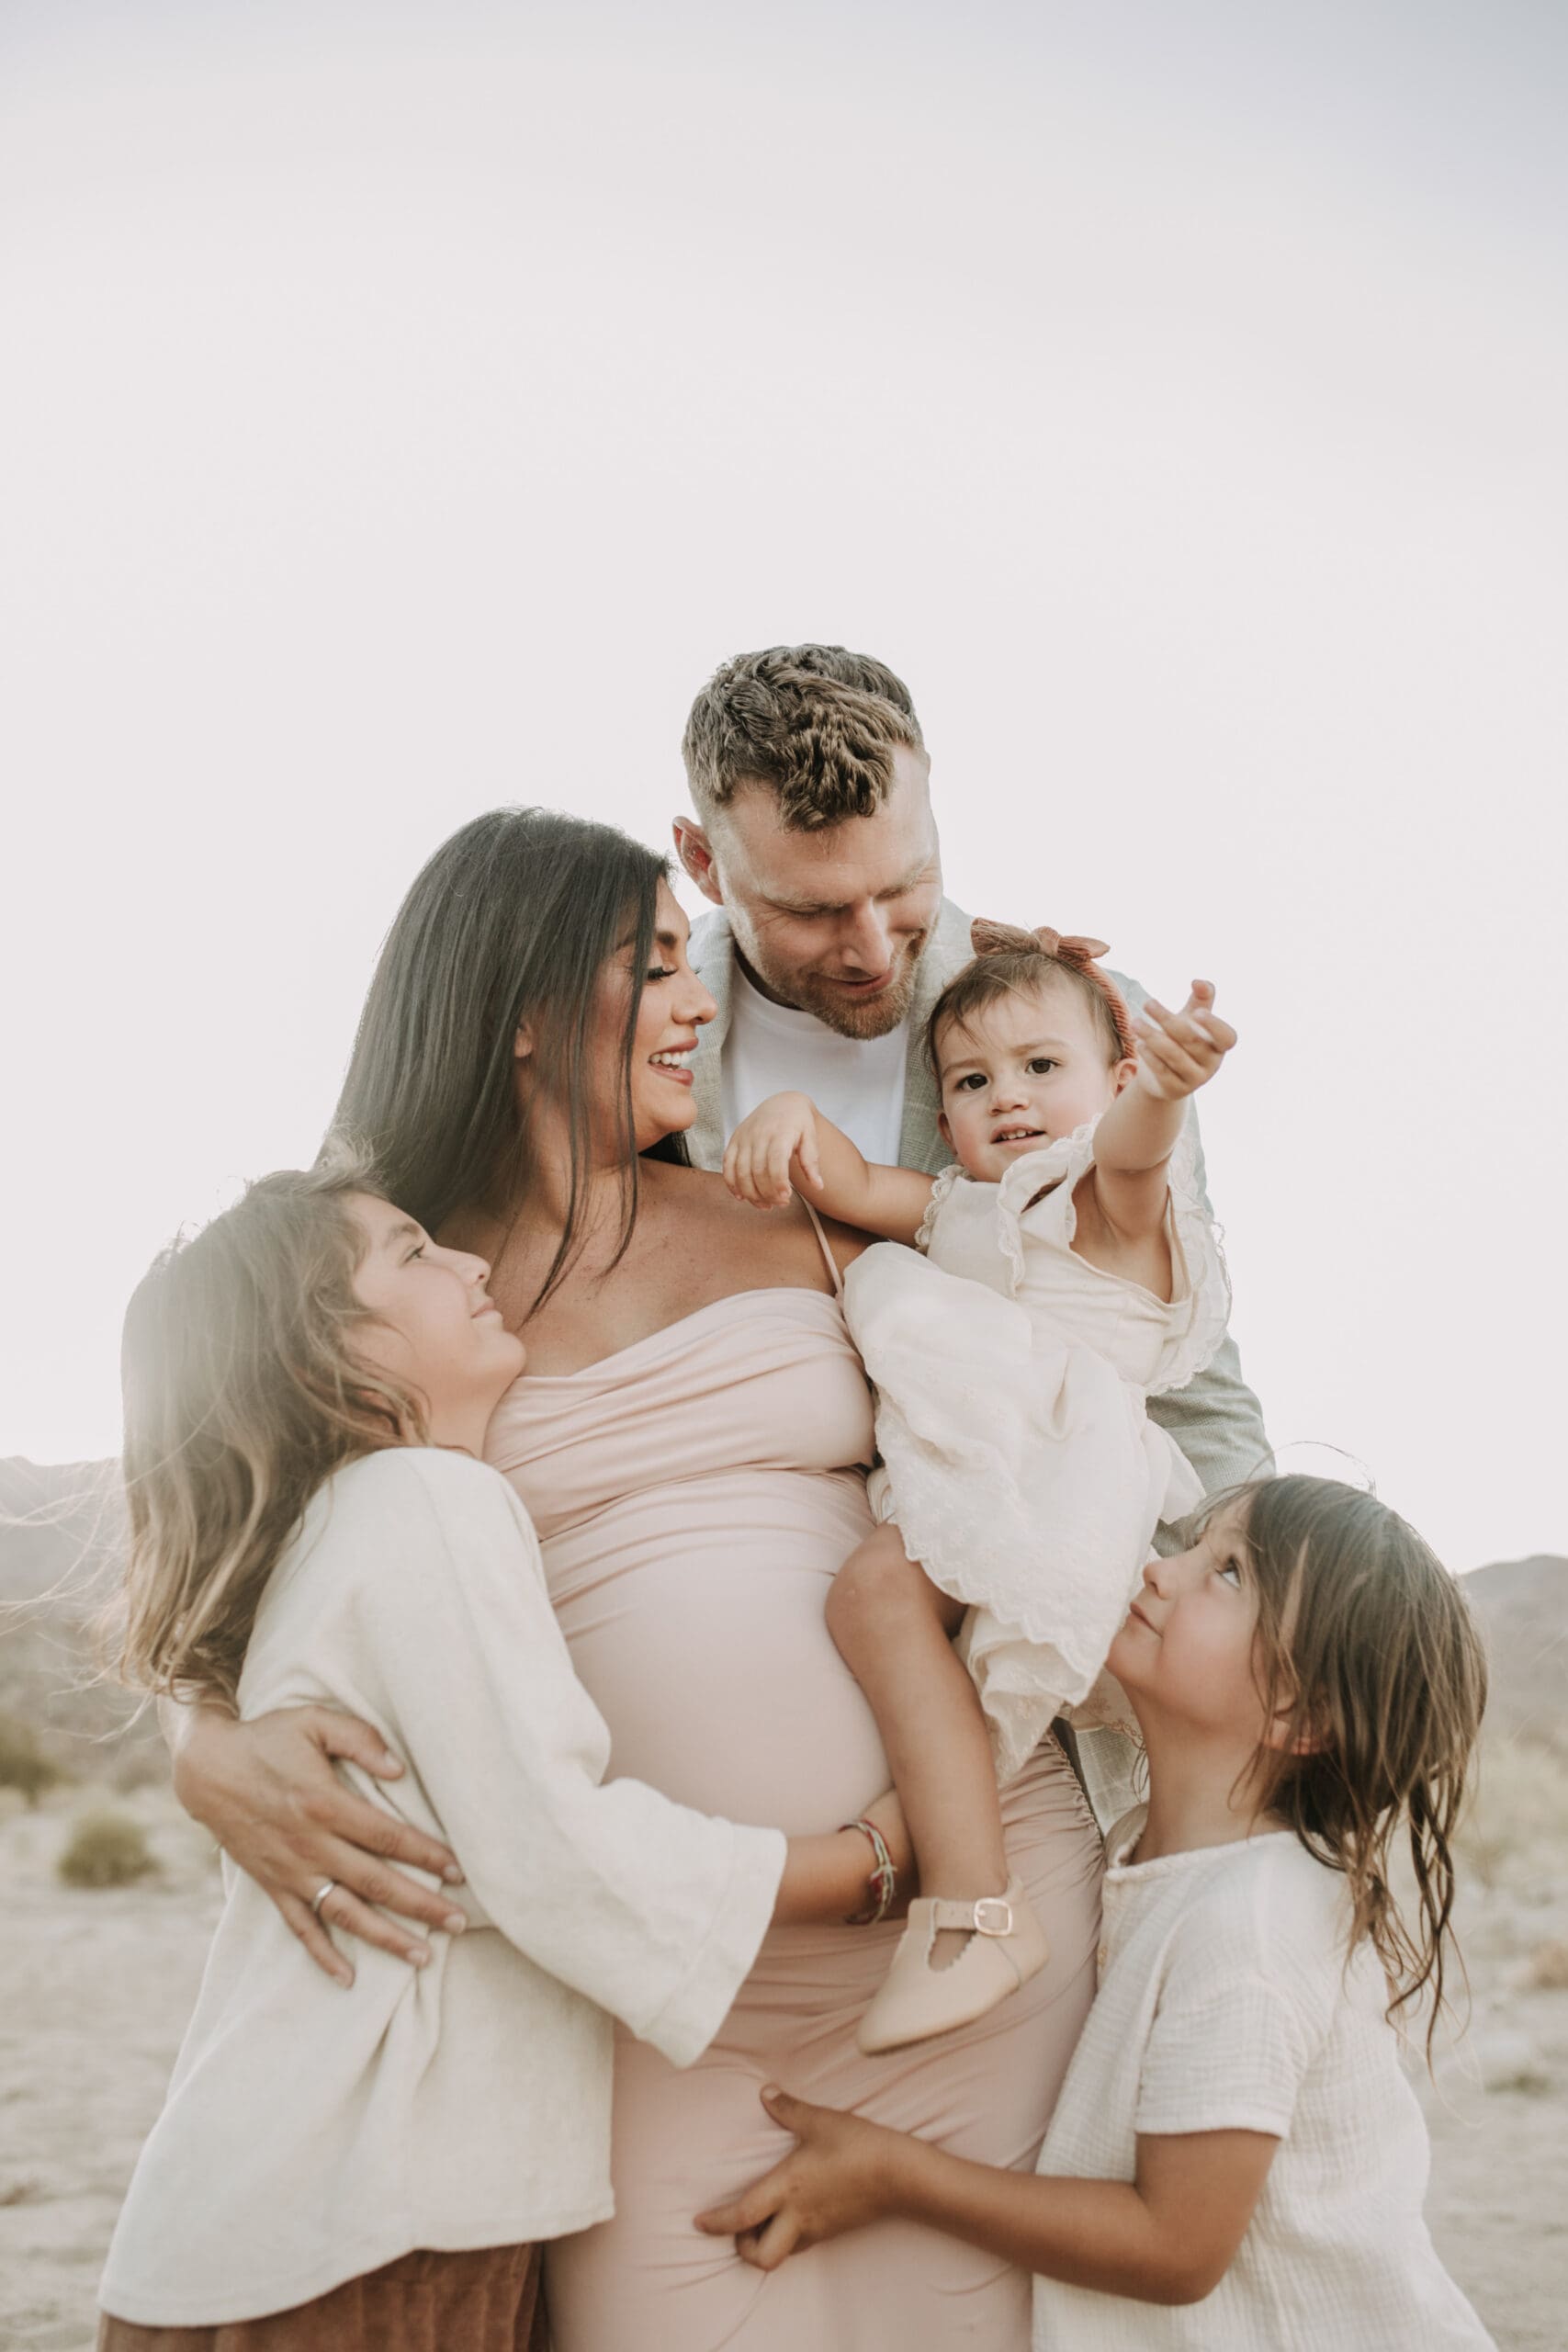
690, 1438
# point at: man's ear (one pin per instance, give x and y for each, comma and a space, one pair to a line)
694, 851
523, 1042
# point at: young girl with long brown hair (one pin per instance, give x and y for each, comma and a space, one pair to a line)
1236, 2159
306, 1388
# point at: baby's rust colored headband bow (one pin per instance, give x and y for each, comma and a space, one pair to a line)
986, 938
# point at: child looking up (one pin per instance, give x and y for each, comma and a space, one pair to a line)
1069, 1272
1236, 2159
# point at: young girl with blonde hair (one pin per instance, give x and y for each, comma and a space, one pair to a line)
1236, 2159
306, 1388
1063, 1271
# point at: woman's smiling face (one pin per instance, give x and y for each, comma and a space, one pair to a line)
671, 1010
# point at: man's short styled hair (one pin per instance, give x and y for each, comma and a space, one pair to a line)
813, 724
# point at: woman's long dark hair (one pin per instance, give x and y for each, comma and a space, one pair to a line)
512, 919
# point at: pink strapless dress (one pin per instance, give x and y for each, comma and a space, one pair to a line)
694, 1494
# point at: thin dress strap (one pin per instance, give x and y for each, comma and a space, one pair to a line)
828, 1258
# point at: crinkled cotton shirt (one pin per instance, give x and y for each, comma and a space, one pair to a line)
1224, 2005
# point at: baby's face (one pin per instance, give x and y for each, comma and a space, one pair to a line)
1021, 1073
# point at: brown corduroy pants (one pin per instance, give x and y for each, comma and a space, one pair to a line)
484, 2302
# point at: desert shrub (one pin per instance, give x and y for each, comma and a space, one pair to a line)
1548, 1968
105, 1850
23, 1764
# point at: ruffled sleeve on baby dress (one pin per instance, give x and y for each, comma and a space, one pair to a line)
1199, 1309
1057, 1172
945, 1180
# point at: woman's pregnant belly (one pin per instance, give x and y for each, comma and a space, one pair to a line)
694, 1615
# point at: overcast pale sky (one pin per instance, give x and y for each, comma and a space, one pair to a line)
405, 408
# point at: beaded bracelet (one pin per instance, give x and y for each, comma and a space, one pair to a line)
884, 1878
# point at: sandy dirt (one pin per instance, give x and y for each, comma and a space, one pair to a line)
95, 1987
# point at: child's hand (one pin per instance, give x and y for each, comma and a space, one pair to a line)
1180, 1052
759, 1155
838, 2179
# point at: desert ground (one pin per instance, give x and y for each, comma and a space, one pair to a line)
96, 1985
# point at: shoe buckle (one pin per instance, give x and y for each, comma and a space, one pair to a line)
993, 1916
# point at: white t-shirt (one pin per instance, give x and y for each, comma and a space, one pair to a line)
1225, 2004
310, 2134
858, 1082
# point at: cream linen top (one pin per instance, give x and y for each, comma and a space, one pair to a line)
311, 2134
1226, 2005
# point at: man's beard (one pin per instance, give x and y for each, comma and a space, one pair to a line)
847, 1015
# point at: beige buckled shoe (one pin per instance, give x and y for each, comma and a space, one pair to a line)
1007, 1946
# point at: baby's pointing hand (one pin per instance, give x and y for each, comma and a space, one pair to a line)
1179, 1052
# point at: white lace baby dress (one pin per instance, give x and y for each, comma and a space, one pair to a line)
1019, 1465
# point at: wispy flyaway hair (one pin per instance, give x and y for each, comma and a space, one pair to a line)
242, 1395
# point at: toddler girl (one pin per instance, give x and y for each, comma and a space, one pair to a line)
1069, 1272
306, 1388
1236, 2160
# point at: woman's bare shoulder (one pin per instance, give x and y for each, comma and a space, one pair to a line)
772, 1245
697, 1191
691, 1193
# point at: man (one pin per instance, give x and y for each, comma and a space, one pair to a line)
815, 840
831, 941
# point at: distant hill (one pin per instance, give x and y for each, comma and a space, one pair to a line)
61, 1527
1523, 1608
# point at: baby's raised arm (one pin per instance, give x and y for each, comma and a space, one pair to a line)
786, 1144
1177, 1053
